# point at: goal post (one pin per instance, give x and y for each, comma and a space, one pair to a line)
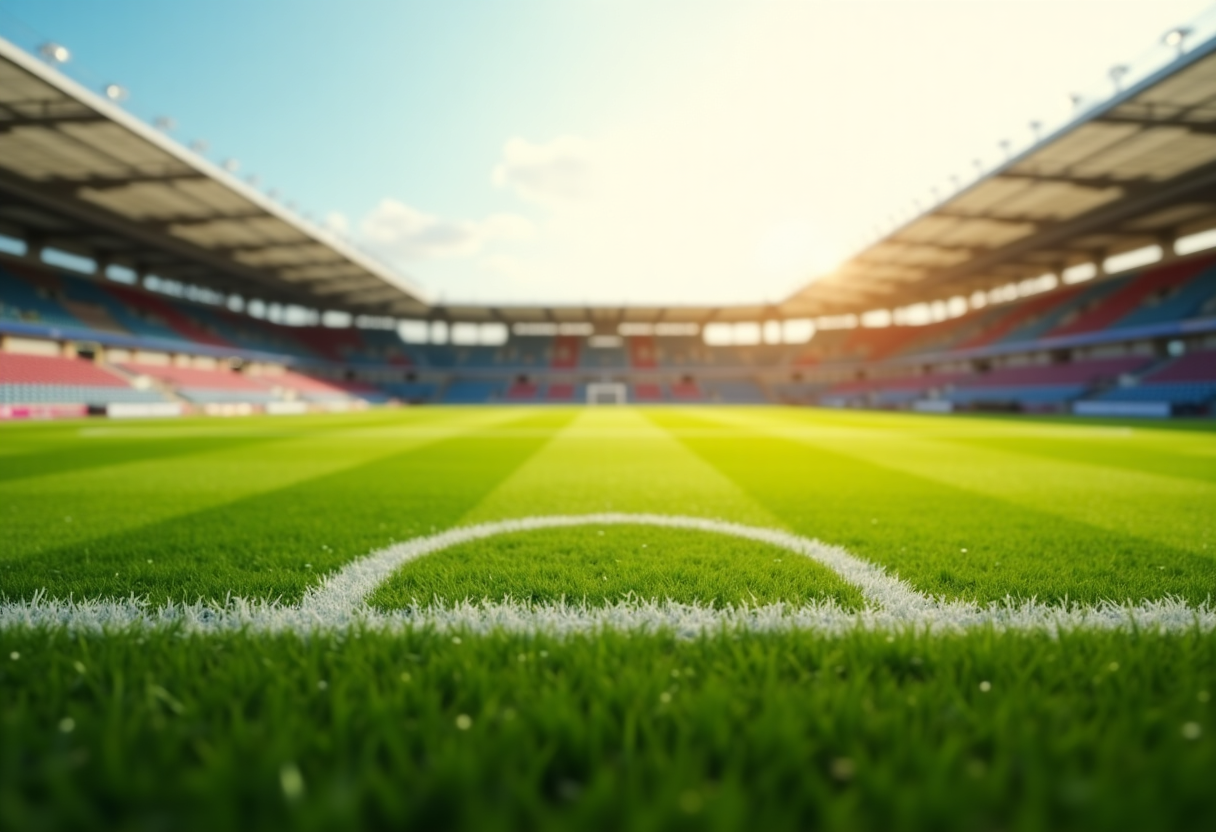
606, 392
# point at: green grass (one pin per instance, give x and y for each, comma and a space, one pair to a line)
607, 730
586, 565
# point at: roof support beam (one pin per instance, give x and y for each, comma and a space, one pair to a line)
203, 222
1192, 185
10, 120
86, 219
1097, 183
73, 187
1202, 128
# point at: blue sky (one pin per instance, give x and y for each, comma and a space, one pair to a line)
588, 150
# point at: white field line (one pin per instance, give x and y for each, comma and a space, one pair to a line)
344, 592
339, 603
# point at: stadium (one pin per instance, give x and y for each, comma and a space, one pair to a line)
927, 543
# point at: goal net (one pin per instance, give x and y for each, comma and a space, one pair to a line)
606, 392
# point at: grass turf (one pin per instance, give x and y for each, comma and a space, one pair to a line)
1095, 731
585, 565
783, 730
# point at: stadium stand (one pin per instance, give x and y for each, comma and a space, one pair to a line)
565, 353
472, 392
561, 392
200, 386
740, 391
311, 389
411, 392
686, 390
37, 379
994, 331
1014, 355
1186, 383
642, 354
522, 391
29, 296
645, 391
1130, 293
603, 358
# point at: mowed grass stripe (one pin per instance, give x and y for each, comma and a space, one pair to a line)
278, 542
1175, 449
69, 508
1107, 453
944, 539
92, 446
1168, 510
47, 513
616, 460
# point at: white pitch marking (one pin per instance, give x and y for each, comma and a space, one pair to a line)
343, 593
339, 603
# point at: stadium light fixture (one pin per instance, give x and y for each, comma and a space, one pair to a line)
231, 165
1077, 99
1036, 127
115, 92
1177, 38
54, 53
1117, 72
164, 123
1006, 146
200, 146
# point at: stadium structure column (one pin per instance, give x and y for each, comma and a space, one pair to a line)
1166, 240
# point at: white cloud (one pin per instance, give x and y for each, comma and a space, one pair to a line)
554, 173
402, 232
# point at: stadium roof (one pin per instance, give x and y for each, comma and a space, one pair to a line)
80, 174
1135, 170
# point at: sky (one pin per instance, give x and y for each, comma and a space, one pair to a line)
602, 151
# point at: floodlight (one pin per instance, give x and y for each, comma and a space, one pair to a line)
54, 53
199, 145
231, 165
1077, 99
1036, 127
164, 123
1177, 38
1116, 74
116, 93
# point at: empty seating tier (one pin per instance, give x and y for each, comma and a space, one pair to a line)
37, 379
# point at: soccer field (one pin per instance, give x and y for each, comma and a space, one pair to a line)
608, 618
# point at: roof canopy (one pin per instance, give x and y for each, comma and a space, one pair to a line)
80, 174
1136, 170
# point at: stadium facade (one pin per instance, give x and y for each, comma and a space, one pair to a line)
138, 278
